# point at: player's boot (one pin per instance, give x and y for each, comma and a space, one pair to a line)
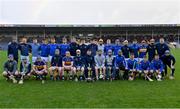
171, 77
21, 81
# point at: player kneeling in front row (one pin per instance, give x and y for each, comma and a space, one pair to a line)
56, 66
169, 61
157, 67
144, 68
40, 69
132, 67
79, 66
25, 70
10, 69
109, 63
67, 65
100, 65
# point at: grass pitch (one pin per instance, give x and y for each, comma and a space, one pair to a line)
129, 94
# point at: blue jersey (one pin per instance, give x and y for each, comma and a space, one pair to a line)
134, 48
119, 61
125, 50
63, 48
25, 49
161, 48
39, 65
116, 49
132, 64
56, 61
78, 61
93, 47
44, 50
52, 48
67, 61
157, 65
144, 65
35, 49
108, 47
142, 51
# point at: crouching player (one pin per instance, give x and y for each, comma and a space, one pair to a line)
67, 65
100, 65
132, 65
157, 67
169, 61
10, 69
120, 65
109, 63
56, 66
78, 66
25, 70
89, 66
144, 67
40, 69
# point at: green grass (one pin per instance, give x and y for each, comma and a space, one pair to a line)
135, 94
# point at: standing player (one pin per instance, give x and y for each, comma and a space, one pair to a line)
89, 66
52, 47
79, 65
134, 48
25, 49
100, 65
64, 47
44, 50
13, 49
56, 66
120, 65
93, 47
117, 47
125, 50
108, 47
109, 64
169, 61
161, 47
151, 49
40, 69
144, 68
25, 70
35, 50
132, 67
101, 45
157, 67
10, 69
83, 47
73, 46
142, 50
67, 65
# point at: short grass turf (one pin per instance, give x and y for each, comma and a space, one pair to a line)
135, 94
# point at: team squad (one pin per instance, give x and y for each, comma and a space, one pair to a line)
93, 61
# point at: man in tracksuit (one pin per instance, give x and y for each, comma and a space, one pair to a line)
89, 66
83, 47
168, 60
157, 67
120, 65
73, 46
13, 49
93, 47
25, 49
161, 47
151, 49
125, 50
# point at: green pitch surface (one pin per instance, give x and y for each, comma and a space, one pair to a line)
135, 94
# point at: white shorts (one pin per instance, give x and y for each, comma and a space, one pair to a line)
23, 57
34, 59
45, 59
50, 58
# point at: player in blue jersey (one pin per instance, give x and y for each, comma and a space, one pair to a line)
64, 47
44, 50
93, 47
134, 48
108, 47
157, 67
144, 67
125, 49
79, 65
52, 47
120, 65
83, 47
25, 49
55, 69
35, 49
67, 65
142, 50
132, 65
117, 47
